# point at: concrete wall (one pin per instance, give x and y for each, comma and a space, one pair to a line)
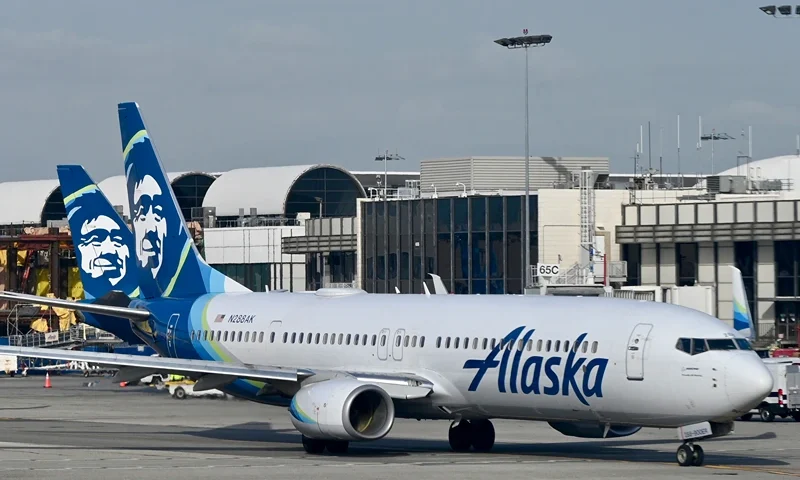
252, 245
559, 222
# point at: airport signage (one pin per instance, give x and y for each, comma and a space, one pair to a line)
547, 269
539, 375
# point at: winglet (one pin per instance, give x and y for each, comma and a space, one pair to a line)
742, 318
427, 292
438, 284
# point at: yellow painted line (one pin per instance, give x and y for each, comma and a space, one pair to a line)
753, 469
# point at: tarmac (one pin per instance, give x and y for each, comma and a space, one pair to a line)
93, 428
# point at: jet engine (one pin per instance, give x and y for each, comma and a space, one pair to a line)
593, 430
342, 409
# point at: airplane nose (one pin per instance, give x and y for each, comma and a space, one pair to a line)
747, 381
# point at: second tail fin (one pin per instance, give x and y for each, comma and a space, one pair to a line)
742, 318
168, 262
103, 242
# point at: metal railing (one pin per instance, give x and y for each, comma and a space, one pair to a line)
77, 334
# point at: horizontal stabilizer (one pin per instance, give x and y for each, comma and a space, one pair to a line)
110, 310
177, 366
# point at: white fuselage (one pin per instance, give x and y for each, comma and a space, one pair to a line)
646, 380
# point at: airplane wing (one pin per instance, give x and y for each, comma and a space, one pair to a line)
215, 374
111, 310
161, 364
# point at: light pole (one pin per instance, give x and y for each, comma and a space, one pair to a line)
385, 158
526, 41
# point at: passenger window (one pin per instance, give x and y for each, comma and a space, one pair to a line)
422, 341
285, 336
364, 339
325, 339
316, 339
594, 346
684, 345
308, 338
547, 347
475, 343
383, 340
413, 341
447, 342
438, 342
355, 339
558, 346
347, 340
585, 346
530, 345
300, 339
566, 346
374, 339
455, 342
246, 337
294, 337
520, 345
539, 345
494, 343
205, 335
193, 335
341, 338
485, 343
226, 336
698, 346
239, 337
406, 340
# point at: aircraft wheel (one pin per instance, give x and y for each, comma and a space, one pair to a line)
697, 455
337, 447
313, 446
460, 436
685, 455
482, 435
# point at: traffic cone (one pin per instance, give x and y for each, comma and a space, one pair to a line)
47, 380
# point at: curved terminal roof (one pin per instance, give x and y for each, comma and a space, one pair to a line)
24, 202
775, 168
267, 189
116, 190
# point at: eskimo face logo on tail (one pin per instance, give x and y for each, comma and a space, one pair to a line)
102, 249
579, 376
150, 224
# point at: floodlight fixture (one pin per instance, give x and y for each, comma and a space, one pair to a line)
768, 9
781, 11
524, 41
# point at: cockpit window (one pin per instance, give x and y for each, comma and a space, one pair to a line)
694, 346
698, 346
684, 345
721, 344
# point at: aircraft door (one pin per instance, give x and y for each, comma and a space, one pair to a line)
274, 331
383, 344
397, 344
634, 356
171, 325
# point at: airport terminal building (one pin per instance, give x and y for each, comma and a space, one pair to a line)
306, 227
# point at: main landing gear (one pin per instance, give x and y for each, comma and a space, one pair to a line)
690, 454
315, 446
475, 434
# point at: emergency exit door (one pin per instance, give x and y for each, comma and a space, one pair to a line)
634, 357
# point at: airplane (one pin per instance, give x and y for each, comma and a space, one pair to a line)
742, 318
346, 364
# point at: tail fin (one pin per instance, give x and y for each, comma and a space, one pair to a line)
742, 319
169, 264
103, 242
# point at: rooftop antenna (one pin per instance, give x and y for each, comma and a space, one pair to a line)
699, 138
661, 152
679, 150
649, 148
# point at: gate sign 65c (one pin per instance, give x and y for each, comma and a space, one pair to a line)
546, 269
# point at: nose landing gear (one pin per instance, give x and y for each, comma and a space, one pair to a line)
690, 454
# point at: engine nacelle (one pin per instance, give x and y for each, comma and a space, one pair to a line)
342, 409
593, 430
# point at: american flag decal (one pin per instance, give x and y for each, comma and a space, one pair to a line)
219, 318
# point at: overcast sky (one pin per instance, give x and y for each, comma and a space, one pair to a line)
251, 83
